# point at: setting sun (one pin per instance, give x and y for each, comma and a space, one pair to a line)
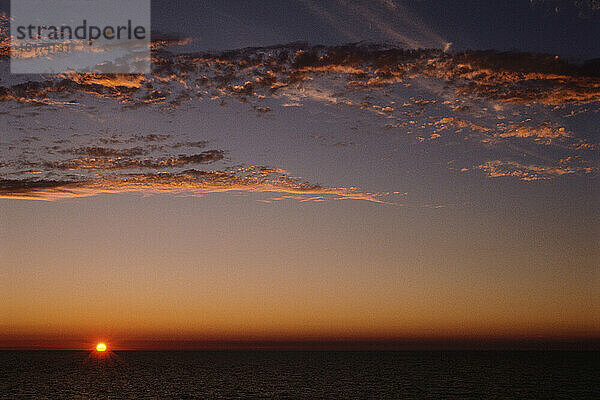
100, 347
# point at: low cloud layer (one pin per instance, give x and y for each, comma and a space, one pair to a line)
188, 182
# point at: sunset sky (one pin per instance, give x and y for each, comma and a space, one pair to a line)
310, 191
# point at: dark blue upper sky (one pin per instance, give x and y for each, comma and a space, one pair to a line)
566, 28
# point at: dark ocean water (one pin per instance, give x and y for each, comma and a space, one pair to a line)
299, 375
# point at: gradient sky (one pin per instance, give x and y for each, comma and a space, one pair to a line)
348, 197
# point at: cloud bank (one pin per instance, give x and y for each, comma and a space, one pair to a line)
489, 99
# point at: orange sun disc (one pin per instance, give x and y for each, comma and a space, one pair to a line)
100, 347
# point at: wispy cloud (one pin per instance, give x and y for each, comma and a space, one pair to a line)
34, 169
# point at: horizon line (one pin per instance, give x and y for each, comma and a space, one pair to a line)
567, 344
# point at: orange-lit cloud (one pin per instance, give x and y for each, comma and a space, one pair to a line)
191, 182
532, 172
